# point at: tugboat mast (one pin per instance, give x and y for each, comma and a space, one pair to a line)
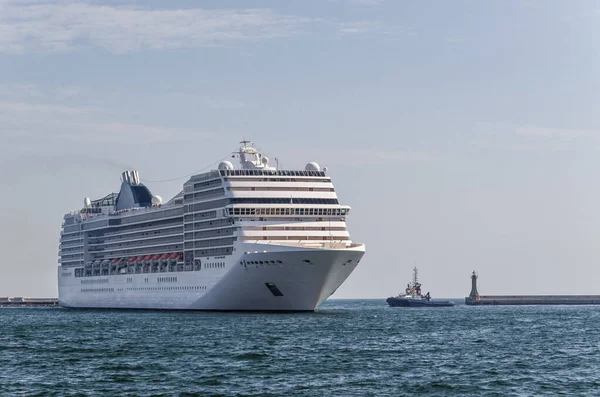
413, 296
415, 276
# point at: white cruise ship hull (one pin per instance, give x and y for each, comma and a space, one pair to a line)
257, 277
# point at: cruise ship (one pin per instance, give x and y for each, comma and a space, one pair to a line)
251, 237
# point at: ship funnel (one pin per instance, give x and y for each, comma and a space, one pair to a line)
131, 177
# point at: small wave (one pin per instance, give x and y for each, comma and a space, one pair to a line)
127, 367
251, 356
212, 381
434, 386
123, 379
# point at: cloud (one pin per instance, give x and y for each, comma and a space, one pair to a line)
26, 125
494, 144
582, 15
359, 27
20, 91
15, 108
352, 157
503, 136
203, 101
367, 2
455, 40
544, 132
29, 91
359, 2
65, 26
373, 28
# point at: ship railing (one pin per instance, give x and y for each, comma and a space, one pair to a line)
340, 244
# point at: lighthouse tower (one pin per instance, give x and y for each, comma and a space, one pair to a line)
474, 295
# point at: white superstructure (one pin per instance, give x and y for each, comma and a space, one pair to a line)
247, 238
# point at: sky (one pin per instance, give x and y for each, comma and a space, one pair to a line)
464, 135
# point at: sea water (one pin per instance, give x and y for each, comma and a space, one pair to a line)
345, 348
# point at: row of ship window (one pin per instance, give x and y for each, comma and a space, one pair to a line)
197, 267
136, 235
144, 289
279, 189
208, 233
326, 180
295, 238
66, 243
74, 249
282, 200
208, 224
159, 223
118, 229
71, 239
149, 251
205, 193
71, 229
303, 228
166, 288
96, 281
209, 243
150, 215
166, 279
160, 240
71, 257
212, 182
200, 215
270, 172
289, 211
260, 262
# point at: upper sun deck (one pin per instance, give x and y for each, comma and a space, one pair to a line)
254, 163
134, 197
254, 166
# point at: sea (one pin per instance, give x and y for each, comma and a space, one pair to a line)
345, 348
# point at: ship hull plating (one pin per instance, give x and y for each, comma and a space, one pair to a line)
263, 278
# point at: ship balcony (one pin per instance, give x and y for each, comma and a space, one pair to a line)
337, 245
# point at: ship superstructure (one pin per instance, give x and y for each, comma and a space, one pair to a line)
248, 238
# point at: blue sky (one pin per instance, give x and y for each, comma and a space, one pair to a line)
464, 134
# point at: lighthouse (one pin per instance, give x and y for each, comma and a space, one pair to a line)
474, 295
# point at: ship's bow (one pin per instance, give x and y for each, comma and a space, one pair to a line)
276, 278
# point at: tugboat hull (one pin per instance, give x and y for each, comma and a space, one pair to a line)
414, 298
409, 302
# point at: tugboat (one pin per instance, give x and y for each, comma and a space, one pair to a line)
413, 298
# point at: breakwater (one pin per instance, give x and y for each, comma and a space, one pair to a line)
534, 300
482, 300
25, 302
